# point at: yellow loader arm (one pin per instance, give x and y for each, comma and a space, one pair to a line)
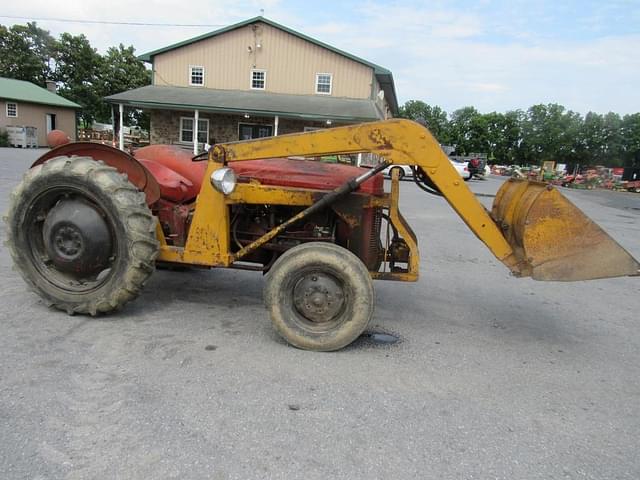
532, 229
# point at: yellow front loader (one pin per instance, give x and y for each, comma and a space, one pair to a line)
86, 237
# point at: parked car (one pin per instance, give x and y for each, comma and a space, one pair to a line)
463, 169
404, 171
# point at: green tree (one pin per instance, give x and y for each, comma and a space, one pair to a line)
433, 116
468, 130
549, 132
504, 136
630, 132
77, 71
26, 52
121, 71
613, 155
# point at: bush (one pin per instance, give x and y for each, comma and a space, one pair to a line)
4, 138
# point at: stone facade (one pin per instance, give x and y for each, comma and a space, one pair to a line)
165, 126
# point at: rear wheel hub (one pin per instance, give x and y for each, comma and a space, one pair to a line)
76, 237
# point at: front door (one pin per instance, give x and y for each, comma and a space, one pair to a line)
51, 122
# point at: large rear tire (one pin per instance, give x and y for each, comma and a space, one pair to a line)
81, 235
320, 296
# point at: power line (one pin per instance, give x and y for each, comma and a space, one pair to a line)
107, 22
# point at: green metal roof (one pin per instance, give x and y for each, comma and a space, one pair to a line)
23, 91
384, 76
241, 102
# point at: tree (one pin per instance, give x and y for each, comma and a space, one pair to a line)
77, 69
468, 130
551, 133
630, 132
121, 71
504, 136
434, 117
613, 155
26, 52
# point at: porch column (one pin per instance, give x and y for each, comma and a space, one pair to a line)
113, 127
120, 127
276, 121
196, 117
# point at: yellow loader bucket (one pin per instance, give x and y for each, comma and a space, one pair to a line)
552, 239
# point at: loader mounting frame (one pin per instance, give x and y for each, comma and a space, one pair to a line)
532, 228
398, 141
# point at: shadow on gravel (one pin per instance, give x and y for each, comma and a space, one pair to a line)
223, 289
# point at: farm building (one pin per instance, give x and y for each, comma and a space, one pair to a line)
37, 110
255, 79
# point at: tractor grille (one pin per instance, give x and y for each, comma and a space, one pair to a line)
371, 248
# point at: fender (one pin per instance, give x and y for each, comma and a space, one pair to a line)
137, 174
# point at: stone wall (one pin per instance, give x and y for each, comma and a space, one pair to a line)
165, 126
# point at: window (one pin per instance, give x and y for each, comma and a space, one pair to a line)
258, 79
247, 131
196, 76
186, 130
12, 109
323, 83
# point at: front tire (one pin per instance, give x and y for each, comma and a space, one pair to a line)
400, 172
320, 296
81, 235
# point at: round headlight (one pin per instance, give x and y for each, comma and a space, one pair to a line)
224, 180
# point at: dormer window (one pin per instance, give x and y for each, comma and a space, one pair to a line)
196, 76
258, 79
323, 83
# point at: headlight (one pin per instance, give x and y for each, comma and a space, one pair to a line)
224, 180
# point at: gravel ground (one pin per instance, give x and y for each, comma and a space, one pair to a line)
493, 377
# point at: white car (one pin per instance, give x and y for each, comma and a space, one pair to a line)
405, 170
463, 169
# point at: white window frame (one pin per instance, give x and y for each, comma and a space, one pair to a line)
190, 142
256, 125
330, 75
191, 68
7, 109
264, 80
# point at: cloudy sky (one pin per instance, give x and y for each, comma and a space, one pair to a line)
493, 54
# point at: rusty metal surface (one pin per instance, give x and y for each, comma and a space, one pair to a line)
137, 174
553, 239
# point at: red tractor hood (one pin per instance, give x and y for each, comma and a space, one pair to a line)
180, 178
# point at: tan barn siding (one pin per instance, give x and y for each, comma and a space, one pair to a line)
34, 115
291, 64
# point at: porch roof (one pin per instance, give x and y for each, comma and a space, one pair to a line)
307, 107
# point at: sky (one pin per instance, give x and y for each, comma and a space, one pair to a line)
496, 55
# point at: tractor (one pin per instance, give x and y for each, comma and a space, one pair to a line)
89, 224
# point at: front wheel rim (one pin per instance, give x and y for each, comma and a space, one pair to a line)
319, 300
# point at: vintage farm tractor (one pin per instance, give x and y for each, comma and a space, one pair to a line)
88, 224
